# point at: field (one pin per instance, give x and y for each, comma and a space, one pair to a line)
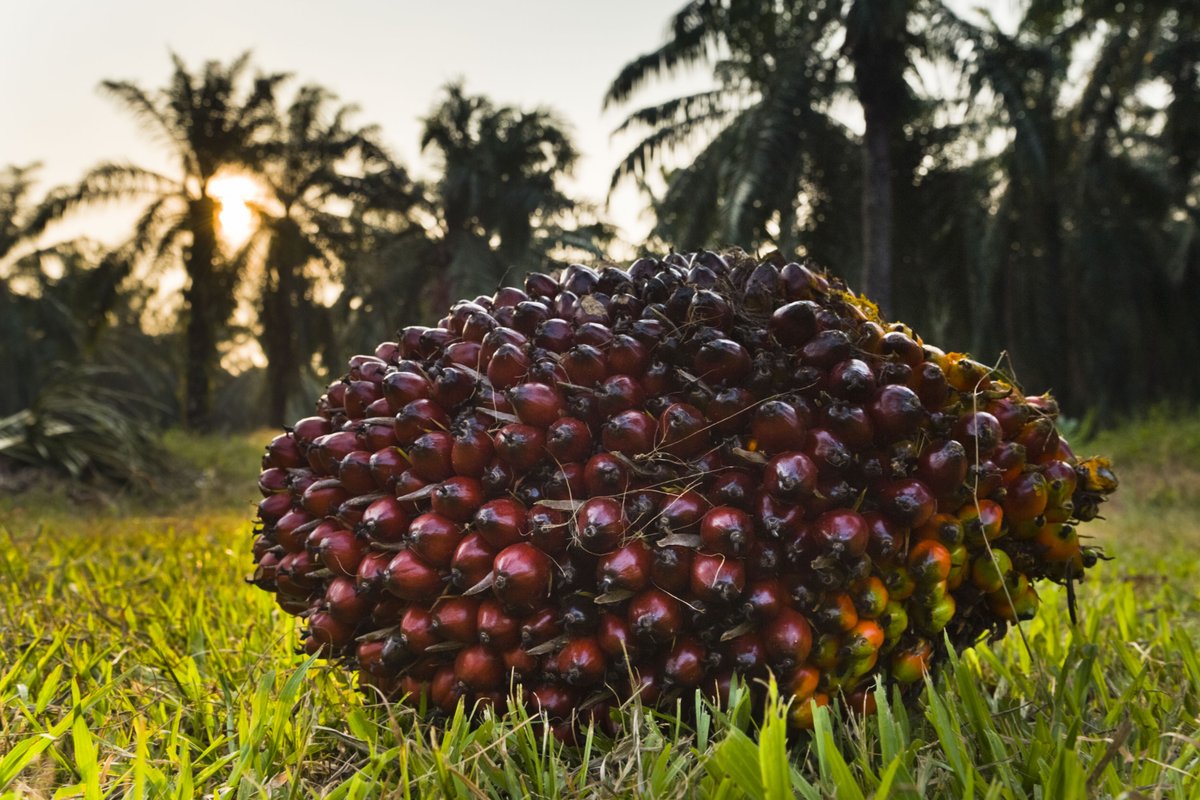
135, 662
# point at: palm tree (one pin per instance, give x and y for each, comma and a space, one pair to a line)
499, 206
209, 123
316, 161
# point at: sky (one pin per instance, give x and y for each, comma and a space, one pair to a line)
389, 58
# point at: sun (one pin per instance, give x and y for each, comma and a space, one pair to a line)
235, 194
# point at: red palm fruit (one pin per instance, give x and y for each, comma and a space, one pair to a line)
479, 668
716, 578
790, 477
1057, 543
835, 612
409, 485
944, 528
870, 597
801, 283
776, 518
410, 578
850, 423
747, 654
472, 560
863, 640
354, 471
292, 529
605, 475
454, 619
979, 433
536, 403
416, 630
1026, 497
902, 347
909, 664
327, 633
682, 513
1010, 412
528, 315
272, 480
582, 662
498, 478
711, 309
322, 498
826, 348
507, 366
466, 354
384, 520
803, 684
672, 568
478, 325
452, 386
630, 433
683, 430
800, 715
502, 522
627, 356
345, 603
851, 380
686, 664
908, 502
795, 323
764, 559
614, 634
557, 701
777, 427
896, 412
582, 405
733, 487
619, 393
326, 451
402, 388
386, 466
828, 452
565, 483
721, 361
308, 430
430, 456
435, 539
656, 381
928, 562
471, 451
600, 523
387, 611
517, 661
1061, 481
655, 616
764, 599
727, 530
341, 552
584, 365
369, 575
521, 446
943, 466
594, 334
540, 626
521, 576
568, 439
359, 395
729, 410
628, 567
932, 386
981, 520
457, 498
445, 689
496, 627
284, 452
549, 529
1010, 458
508, 297
556, 334
496, 338
418, 417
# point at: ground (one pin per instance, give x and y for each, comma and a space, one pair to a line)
135, 662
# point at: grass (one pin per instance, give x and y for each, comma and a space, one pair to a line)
134, 662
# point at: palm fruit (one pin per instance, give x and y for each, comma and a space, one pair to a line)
645, 481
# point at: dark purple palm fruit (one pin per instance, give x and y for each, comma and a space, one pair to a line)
615, 483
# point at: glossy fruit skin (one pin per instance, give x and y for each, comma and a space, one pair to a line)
612, 483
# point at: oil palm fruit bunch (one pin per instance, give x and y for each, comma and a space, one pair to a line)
644, 482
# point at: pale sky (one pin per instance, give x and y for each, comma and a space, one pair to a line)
389, 58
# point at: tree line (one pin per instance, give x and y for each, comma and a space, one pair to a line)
1026, 191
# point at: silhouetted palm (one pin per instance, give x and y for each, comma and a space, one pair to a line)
209, 123
318, 166
499, 204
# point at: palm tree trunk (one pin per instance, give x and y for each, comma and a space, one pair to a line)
877, 209
280, 296
202, 308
